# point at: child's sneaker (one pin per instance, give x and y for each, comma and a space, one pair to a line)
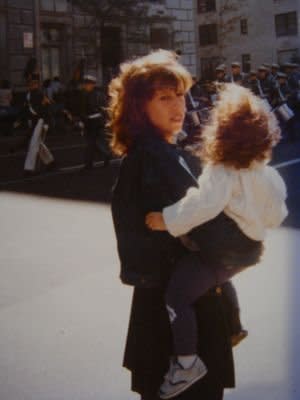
178, 379
238, 337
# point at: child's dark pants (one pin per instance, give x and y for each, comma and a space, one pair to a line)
190, 280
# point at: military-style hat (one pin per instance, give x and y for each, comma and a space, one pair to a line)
288, 65
221, 68
263, 68
275, 66
253, 72
268, 66
89, 78
281, 75
236, 64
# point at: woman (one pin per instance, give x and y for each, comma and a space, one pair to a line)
146, 111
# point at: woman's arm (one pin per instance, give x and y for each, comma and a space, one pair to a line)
199, 205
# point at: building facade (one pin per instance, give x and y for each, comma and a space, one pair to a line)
249, 31
59, 35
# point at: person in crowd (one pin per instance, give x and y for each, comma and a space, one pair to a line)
265, 85
252, 83
37, 114
47, 89
292, 75
8, 111
221, 74
31, 69
92, 116
283, 95
57, 89
73, 99
196, 91
283, 90
269, 76
274, 70
236, 181
146, 109
237, 76
296, 70
6, 94
55, 92
295, 99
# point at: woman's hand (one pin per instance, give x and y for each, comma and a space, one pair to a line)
155, 221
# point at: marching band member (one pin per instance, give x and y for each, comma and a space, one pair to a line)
92, 116
37, 110
237, 76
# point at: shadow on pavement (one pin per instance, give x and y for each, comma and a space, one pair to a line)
94, 185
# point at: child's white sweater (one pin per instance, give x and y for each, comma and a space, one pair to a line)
254, 198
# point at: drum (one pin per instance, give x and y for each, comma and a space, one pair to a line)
284, 112
45, 154
267, 104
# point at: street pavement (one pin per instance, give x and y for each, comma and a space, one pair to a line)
67, 149
64, 313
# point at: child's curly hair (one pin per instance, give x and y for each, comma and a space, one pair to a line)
133, 87
241, 130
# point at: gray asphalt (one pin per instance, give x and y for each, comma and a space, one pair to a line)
64, 313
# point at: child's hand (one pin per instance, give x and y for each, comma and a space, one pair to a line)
155, 221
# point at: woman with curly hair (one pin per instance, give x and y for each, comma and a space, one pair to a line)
146, 111
237, 183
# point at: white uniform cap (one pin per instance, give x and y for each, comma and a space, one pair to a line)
90, 78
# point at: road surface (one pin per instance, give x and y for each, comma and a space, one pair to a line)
64, 313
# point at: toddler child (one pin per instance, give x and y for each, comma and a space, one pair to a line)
236, 186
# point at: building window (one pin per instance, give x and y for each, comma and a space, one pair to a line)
246, 62
206, 6
111, 51
50, 35
54, 5
159, 38
50, 62
244, 27
286, 24
208, 67
51, 39
290, 55
208, 34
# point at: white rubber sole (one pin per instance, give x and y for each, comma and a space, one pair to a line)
182, 389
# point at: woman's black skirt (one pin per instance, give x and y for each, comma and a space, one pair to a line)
149, 345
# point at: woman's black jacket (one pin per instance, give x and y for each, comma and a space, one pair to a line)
153, 175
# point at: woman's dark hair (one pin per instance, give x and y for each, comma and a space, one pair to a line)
133, 87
